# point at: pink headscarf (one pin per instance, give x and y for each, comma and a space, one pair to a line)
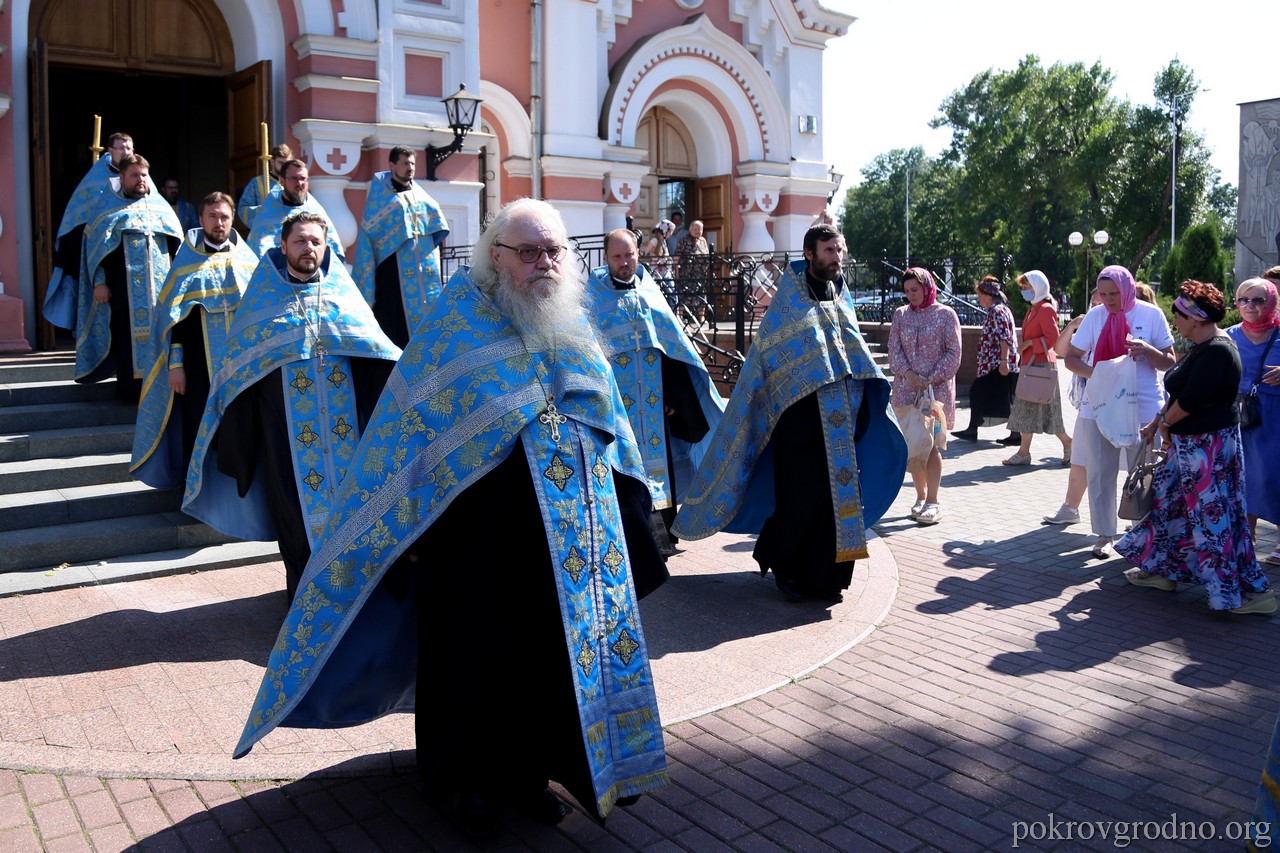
1112, 343
930, 287
1268, 317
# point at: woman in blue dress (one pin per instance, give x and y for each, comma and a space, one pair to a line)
1259, 330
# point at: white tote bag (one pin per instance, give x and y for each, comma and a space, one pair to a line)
1113, 393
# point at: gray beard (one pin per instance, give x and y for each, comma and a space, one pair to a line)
557, 320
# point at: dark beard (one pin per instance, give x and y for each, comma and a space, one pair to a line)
134, 194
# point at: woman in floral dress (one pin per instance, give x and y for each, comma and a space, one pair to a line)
924, 353
1197, 530
991, 393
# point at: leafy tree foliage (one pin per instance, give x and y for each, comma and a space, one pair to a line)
1038, 152
1198, 255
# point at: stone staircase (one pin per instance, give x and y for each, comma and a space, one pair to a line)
66, 499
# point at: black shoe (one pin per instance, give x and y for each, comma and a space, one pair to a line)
628, 802
790, 591
1011, 439
830, 596
475, 817
966, 435
544, 807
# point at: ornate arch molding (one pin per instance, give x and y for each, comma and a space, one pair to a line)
701, 54
506, 111
359, 18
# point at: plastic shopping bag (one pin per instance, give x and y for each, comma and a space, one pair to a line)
1113, 394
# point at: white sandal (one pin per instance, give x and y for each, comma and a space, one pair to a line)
931, 514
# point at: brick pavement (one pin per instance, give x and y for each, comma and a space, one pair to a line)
1012, 678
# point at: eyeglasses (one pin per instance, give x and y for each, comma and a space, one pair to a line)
1251, 300
531, 254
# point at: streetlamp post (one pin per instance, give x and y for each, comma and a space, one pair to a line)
1100, 239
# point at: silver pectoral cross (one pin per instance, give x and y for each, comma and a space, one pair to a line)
553, 419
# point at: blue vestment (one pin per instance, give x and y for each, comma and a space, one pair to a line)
311, 332
271, 215
60, 298
251, 199
410, 226
802, 347
186, 213
636, 327
136, 227
465, 393
209, 284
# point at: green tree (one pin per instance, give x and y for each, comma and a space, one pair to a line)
1198, 255
874, 217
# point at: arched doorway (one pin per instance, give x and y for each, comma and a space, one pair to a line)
159, 70
673, 181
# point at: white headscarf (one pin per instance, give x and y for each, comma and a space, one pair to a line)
1039, 285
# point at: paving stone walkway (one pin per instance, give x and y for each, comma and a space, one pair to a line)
1012, 686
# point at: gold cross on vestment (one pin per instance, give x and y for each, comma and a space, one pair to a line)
553, 419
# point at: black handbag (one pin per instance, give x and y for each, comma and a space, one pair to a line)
1250, 406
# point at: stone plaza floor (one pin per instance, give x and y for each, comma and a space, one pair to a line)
985, 684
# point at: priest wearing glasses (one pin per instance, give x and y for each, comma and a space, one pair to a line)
487, 555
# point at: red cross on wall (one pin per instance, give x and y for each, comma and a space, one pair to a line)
743, 202
767, 201
336, 159
624, 192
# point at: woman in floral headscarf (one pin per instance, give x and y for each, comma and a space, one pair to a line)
1259, 329
1039, 334
1122, 325
924, 354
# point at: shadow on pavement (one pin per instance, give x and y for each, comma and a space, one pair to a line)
229, 630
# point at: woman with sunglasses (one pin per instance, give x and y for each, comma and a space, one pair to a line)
1257, 333
1197, 530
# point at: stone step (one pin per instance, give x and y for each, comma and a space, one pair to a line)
38, 475
40, 393
16, 372
84, 503
61, 443
25, 419
94, 541
127, 568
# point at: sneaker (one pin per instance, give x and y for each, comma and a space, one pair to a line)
1273, 558
1262, 603
931, 514
1064, 515
1138, 577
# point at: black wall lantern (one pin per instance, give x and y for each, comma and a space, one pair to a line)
461, 107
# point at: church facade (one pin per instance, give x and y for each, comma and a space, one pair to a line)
606, 108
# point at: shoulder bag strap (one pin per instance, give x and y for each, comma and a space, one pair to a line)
1262, 364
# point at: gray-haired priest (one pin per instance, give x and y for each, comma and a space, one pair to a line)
485, 562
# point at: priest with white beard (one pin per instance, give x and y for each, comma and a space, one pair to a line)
485, 562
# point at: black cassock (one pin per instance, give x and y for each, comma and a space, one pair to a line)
496, 712
253, 440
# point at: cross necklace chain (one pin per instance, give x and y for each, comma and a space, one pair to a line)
550, 415
312, 330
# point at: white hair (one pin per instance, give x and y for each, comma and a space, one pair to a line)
483, 271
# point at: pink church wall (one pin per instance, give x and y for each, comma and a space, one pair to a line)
8, 201
504, 46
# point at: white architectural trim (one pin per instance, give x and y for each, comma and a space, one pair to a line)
363, 85
309, 44
699, 53
315, 16
501, 108
360, 19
